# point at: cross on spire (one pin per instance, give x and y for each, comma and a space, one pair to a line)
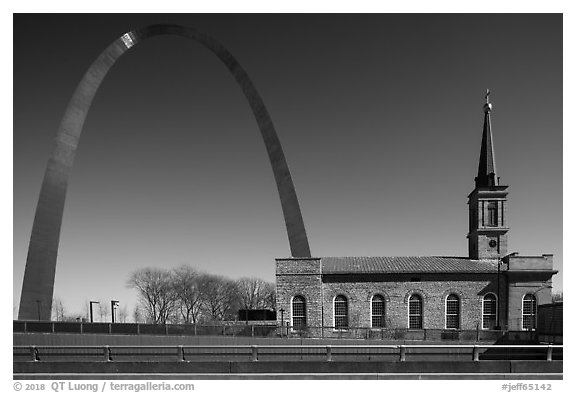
487, 105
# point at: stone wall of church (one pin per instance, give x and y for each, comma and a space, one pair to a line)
298, 276
518, 290
301, 276
397, 289
527, 275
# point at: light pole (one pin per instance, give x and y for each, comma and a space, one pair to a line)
501, 261
91, 312
534, 311
113, 305
281, 321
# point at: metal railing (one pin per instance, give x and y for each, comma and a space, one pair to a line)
256, 353
237, 329
393, 334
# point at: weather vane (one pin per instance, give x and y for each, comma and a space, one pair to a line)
487, 94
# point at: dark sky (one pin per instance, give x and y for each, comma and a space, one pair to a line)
380, 117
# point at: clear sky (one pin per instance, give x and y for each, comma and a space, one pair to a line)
380, 117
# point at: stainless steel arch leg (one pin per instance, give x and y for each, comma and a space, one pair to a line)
38, 285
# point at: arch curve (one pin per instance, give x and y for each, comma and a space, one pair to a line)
418, 292
39, 274
454, 291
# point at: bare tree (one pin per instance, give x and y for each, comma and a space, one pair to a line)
254, 293
58, 311
186, 286
86, 310
137, 315
557, 297
156, 292
122, 314
103, 310
186, 295
270, 296
231, 304
219, 297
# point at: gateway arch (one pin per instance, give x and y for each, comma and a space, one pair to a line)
38, 285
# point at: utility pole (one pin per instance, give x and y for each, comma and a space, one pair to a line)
501, 261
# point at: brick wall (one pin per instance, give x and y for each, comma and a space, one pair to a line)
396, 290
480, 233
302, 276
298, 276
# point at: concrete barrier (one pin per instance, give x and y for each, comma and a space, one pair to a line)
528, 366
285, 367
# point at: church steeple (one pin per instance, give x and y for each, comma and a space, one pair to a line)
487, 204
487, 176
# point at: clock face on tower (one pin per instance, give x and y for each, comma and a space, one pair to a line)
492, 243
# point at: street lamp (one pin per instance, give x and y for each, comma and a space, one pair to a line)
534, 311
281, 321
113, 305
501, 260
91, 312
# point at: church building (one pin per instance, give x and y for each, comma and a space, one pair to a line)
489, 289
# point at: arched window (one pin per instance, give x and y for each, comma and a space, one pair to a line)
452, 312
489, 311
529, 312
378, 311
340, 312
298, 313
493, 214
415, 312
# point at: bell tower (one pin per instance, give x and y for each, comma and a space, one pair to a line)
487, 203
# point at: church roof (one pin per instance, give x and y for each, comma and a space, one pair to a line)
348, 265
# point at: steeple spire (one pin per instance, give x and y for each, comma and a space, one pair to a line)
488, 232
487, 166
